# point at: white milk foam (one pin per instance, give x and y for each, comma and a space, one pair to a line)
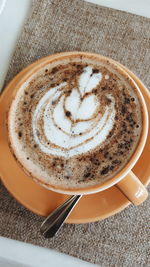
85, 128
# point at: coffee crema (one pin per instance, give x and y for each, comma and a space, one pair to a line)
75, 123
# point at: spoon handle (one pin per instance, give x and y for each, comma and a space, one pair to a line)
55, 219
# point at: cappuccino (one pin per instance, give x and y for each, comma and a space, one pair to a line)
76, 122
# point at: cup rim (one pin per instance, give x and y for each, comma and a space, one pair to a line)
141, 143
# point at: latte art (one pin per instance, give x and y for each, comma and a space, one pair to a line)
73, 123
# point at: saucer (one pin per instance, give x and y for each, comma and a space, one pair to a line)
41, 201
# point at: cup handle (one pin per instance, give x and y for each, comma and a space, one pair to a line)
133, 189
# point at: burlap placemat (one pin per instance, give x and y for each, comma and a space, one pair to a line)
62, 25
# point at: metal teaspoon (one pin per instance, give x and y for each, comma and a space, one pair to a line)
55, 219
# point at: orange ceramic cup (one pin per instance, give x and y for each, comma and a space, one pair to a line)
125, 179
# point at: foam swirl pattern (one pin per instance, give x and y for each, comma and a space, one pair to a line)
73, 124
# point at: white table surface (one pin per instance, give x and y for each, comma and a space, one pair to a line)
14, 253
19, 254
138, 7
12, 16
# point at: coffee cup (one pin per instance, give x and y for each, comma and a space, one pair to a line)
124, 178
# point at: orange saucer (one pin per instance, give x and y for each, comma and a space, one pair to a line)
41, 201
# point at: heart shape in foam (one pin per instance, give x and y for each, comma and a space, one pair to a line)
79, 108
88, 80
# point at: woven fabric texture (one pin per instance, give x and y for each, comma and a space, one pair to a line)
67, 25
